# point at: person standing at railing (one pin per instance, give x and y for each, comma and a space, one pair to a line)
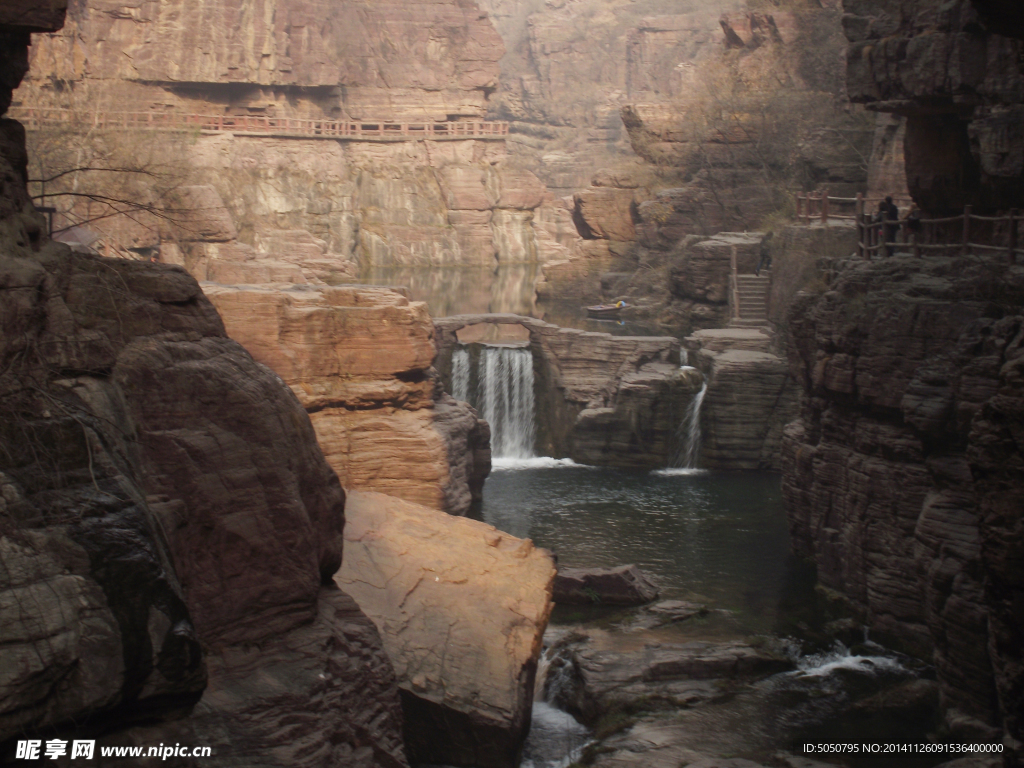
875, 229
912, 225
890, 227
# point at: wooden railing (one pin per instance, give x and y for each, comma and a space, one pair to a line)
820, 206
352, 130
965, 234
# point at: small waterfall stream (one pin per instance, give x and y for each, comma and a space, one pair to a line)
688, 434
500, 387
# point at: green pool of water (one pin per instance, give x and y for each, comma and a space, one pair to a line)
719, 538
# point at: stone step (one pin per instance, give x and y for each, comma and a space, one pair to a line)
743, 322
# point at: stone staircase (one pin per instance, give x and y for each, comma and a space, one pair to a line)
751, 300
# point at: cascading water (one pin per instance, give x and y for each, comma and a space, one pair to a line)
501, 389
460, 374
688, 434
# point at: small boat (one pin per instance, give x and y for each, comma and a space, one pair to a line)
606, 311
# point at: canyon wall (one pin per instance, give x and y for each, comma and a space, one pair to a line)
169, 526
360, 359
292, 209
963, 136
659, 120
903, 473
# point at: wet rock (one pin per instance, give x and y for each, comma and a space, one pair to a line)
750, 397
623, 585
462, 609
667, 612
590, 682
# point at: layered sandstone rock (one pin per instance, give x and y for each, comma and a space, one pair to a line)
177, 430
462, 609
359, 360
741, 102
908, 380
623, 585
910, 368
963, 139
750, 398
359, 59
303, 210
164, 501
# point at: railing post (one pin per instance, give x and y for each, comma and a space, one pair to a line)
824, 207
967, 229
799, 200
1013, 236
859, 212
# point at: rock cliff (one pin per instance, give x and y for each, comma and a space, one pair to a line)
962, 121
168, 524
356, 59
359, 360
902, 475
909, 371
732, 107
291, 209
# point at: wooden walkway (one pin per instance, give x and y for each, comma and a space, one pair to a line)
967, 233
249, 125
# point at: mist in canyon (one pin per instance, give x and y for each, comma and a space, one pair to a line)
511, 383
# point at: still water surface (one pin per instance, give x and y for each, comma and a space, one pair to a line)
718, 538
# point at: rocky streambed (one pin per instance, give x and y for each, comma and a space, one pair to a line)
737, 663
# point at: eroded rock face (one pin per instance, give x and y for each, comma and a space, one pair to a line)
265, 209
954, 72
186, 463
359, 360
750, 398
369, 54
164, 500
462, 609
909, 376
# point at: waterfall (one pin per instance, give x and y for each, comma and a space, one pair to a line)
501, 389
688, 435
460, 374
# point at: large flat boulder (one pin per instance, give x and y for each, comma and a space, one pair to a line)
462, 609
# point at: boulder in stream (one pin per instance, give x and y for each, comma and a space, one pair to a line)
622, 585
461, 608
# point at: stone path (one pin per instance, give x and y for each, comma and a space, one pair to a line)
751, 300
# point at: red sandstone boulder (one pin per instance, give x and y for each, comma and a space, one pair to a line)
461, 608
